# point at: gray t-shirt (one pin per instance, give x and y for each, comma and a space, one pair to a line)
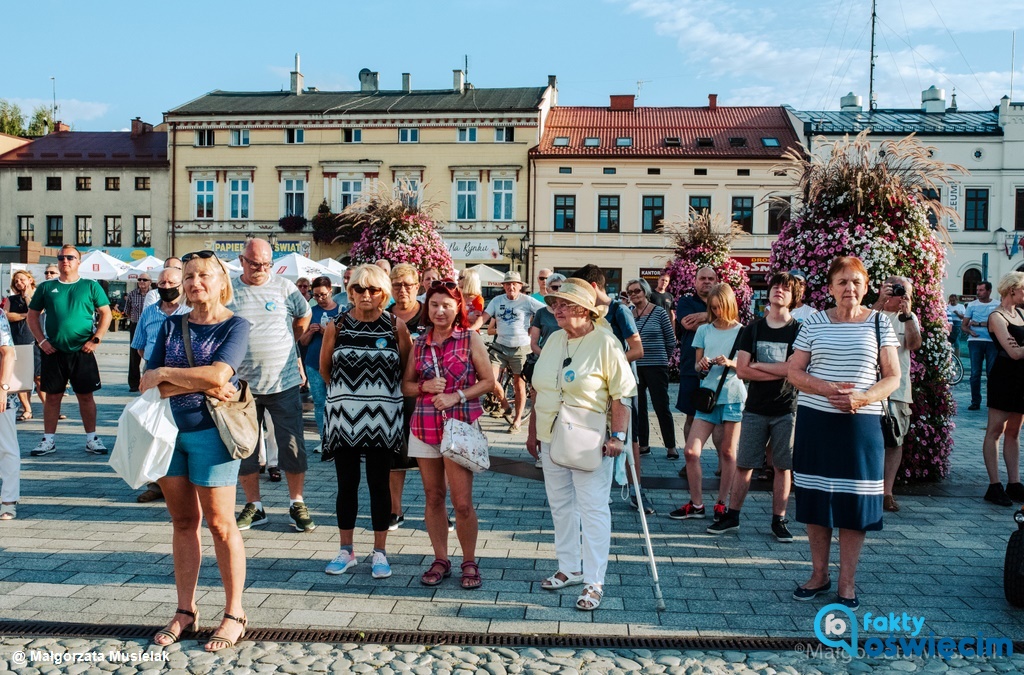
513, 318
271, 364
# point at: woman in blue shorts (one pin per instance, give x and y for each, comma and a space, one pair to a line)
714, 344
202, 476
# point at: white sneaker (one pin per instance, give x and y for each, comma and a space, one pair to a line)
381, 569
343, 562
45, 447
96, 447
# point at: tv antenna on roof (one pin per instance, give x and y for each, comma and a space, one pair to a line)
54, 117
871, 76
465, 68
640, 85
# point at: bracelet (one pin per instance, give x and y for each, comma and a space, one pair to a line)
462, 396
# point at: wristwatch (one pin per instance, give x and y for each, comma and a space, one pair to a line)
619, 436
462, 396
94, 339
905, 317
5, 387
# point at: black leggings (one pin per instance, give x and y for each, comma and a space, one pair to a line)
378, 475
655, 379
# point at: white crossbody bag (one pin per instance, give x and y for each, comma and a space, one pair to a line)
462, 443
578, 434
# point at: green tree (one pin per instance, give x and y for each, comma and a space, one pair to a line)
12, 120
42, 121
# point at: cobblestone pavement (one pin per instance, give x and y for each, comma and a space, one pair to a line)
83, 550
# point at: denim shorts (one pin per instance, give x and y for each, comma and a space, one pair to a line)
202, 457
723, 412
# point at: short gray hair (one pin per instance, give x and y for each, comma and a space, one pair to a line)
643, 285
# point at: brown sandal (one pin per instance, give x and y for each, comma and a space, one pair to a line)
439, 571
471, 579
228, 642
174, 637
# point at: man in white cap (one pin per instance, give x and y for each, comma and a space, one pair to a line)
513, 312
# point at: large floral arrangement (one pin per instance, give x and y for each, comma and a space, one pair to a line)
870, 203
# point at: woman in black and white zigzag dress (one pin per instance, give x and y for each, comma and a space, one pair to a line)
362, 359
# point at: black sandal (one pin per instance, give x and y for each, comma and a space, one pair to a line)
228, 642
193, 626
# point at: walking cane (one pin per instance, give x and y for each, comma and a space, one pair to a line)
628, 451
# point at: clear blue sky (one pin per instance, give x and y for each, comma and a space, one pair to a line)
115, 60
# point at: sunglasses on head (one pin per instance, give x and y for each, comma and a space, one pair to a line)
444, 283
359, 290
203, 255
67, 257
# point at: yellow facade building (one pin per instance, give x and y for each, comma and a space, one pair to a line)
240, 161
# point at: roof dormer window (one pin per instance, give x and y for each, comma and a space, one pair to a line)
561, 142
591, 142
623, 142
705, 142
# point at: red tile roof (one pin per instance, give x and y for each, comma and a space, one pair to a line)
91, 148
649, 127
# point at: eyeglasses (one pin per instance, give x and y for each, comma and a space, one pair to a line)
303, 285
253, 265
67, 257
202, 255
167, 284
359, 290
444, 283
406, 286
321, 296
635, 291
50, 273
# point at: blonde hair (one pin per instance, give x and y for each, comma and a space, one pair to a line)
727, 307
1010, 282
403, 270
227, 292
22, 273
470, 282
370, 275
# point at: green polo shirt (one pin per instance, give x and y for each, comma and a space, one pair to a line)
69, 311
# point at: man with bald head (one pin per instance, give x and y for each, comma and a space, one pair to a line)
691, 312
153, 296
542, 284
278, 314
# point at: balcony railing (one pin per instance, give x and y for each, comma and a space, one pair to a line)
199, 226
482, 226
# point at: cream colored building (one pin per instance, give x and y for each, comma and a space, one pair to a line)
8, 142
240, 161
104, 190
604, 179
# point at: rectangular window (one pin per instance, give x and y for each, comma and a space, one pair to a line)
561, 142
612, 281
591, 142
743, 212
467, 135
623, 141
295, 136
701, 203
742, 172
1018, 218
112, 227
54, 230
502, 198
204, 199
608, 171
240, 137
700, 172
294, 197
26, 228
142, 182
504, 134
976, 209
204, 138
936, 195
24, 183
350, 192
778, 214
83, 230
654, 171
465, 199
408, 135
83, 183
351, 135
565, 169
113, 183
653, 212
565, 213
238, 197
608, 213
53, 182
143, 231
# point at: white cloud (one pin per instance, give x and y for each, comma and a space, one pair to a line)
69, 110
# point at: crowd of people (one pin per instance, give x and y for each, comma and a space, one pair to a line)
400, 352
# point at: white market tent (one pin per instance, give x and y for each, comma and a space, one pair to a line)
234, 266
333, 265
488, 275
100, 266
147, 264
293, 266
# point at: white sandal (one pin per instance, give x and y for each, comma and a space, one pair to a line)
553, 583
590, 598
8, 511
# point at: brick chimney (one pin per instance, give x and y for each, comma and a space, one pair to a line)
712, 101
623, 102
60, 126
139, 127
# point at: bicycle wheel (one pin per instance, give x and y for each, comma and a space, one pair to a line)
956, 370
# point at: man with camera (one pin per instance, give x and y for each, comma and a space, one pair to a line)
895, 300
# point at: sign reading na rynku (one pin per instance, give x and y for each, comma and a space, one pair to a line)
473, 249
229, 249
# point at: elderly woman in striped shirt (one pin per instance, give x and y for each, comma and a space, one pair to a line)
838, 454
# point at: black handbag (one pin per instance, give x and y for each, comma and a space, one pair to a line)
704, 399
890, 430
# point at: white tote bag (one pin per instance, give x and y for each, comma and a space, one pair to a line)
462, 443
146, 433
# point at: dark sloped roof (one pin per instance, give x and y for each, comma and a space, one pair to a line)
91, 148
900, 122
650, 127
342, 102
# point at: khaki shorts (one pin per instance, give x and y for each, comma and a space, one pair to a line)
900, 411
514, 358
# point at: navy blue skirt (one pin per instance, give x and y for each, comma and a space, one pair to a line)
838, 465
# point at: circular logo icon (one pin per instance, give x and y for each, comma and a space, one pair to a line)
381, 343
570, 375
271, 306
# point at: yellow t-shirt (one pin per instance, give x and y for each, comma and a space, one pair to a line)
598, 373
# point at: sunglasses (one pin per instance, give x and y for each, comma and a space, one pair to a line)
554, 288
635, 291
50, 273
444, 283
67, 257
202, 255
253, 265
145, 281
410, 285
542, 278
359, 290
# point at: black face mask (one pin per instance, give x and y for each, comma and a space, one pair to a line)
169, 294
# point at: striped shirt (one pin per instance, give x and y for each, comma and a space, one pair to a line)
843, 352
149, 325
657, 336
133, 305
271, 364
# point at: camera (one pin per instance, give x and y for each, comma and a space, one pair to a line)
899, 290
